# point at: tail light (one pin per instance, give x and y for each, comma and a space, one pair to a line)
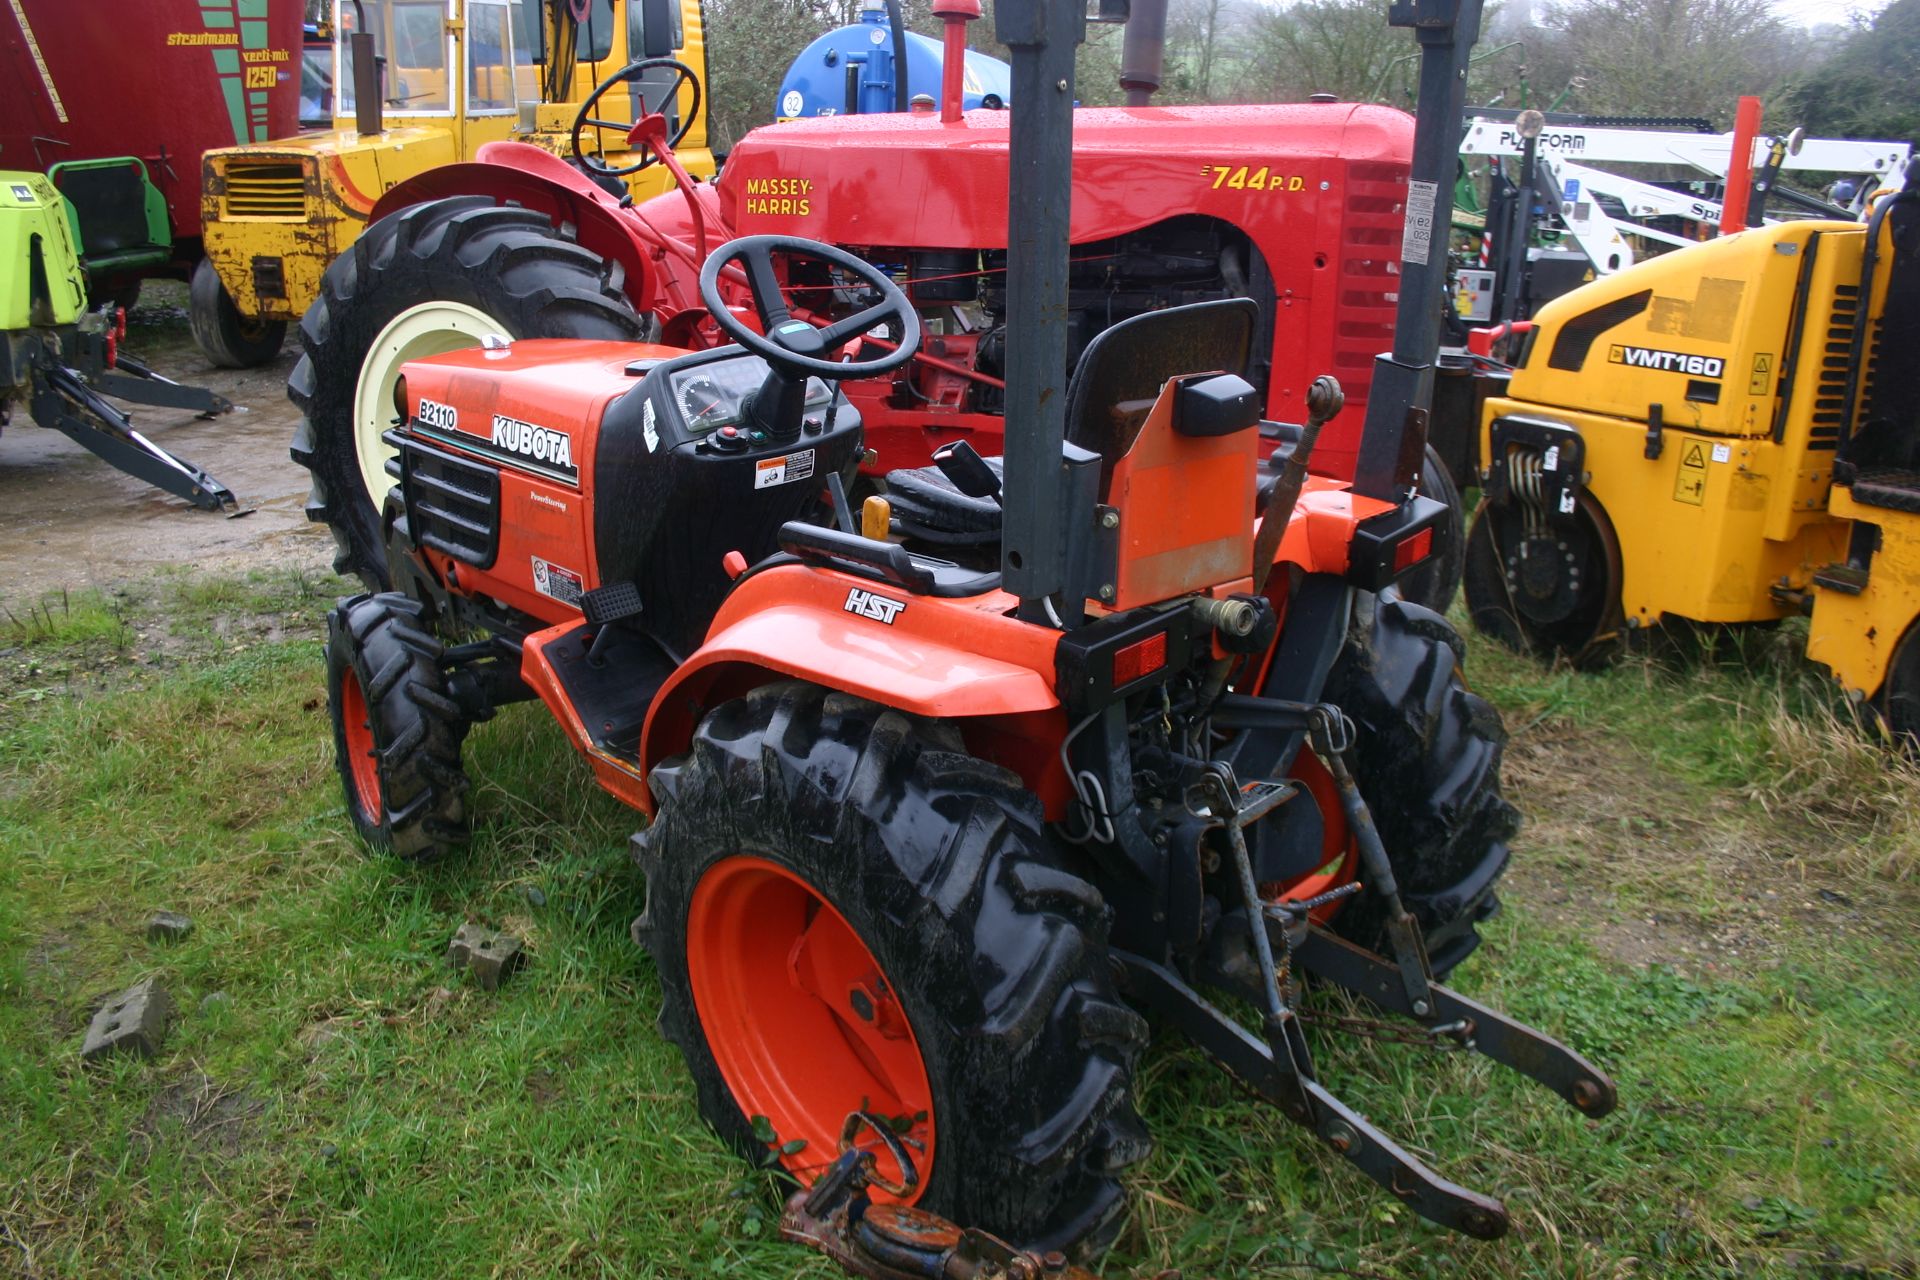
1389, 544
1411, 551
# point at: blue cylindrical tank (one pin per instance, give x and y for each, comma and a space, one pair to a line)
816, 83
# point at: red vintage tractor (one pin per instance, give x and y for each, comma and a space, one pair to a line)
928, 835
1297, 207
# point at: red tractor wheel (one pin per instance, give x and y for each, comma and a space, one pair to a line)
397, 730
847, 912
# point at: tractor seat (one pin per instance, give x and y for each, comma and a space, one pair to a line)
928, 507
1124, 365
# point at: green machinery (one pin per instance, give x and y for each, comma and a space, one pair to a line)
62, 359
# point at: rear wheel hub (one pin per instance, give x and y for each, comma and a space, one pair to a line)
1545, 576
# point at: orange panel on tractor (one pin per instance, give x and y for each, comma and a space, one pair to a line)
1186, 507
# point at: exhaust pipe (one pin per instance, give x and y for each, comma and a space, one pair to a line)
367, 97
1143, 56
955, 14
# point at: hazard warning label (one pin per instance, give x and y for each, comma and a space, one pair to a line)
1762, 373
561, 583
769, 472
1690, 482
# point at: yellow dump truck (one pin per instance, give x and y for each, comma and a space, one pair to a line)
446, 78
1727, 434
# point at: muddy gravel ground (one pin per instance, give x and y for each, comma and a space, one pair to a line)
69, 520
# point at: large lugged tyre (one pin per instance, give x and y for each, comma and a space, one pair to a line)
428, 279
225, 337
397, 730
1427, 761
821, 867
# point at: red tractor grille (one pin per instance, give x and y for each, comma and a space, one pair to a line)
1369, 276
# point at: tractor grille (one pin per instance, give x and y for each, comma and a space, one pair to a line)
1369, 267
453, 504
266, 191
1830, 387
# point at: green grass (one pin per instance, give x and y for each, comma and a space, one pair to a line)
65, 620
353, 1108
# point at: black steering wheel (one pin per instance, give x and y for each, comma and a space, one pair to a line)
793, 347
626, 75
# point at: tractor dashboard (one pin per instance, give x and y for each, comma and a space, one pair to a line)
713, 396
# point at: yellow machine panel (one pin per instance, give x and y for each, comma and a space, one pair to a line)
1701, 334
458, 75
1717, 435
1858, 633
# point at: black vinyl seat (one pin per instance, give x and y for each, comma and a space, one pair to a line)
1118, 377
927, 506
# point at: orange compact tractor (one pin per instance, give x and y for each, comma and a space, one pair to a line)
929, 838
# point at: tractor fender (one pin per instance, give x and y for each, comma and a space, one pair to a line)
522, 174
961, 660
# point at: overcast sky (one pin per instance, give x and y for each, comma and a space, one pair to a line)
1808, 13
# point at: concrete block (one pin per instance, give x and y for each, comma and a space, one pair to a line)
168, 926
486, 953
135, 1021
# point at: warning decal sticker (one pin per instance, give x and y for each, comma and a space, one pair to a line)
561, 584
769, 472
1690, 483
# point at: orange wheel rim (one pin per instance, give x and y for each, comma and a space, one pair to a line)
1337, 853
803, 1023
358, 725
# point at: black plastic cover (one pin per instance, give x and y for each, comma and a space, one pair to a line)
1215, 406
1083, 663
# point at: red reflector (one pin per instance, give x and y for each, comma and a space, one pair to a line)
1142, 657
734, 563
1413, 550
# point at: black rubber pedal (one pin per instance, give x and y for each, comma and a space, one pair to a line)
610, 603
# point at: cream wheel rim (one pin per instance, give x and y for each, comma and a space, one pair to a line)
429, 329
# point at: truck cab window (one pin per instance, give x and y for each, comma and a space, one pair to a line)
490, 57
411, 36
595, 39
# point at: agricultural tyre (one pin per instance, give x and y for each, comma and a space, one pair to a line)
846, 911
396, 728
1435, 581
226, 338
1426, 758
429, 279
